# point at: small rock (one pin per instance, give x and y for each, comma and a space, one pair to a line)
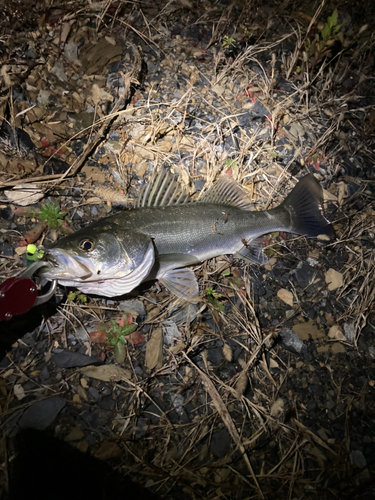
220, 443
170, 332
43, 97
185, 314
349, 331
307, 276
358, 459
41, 414
6, 213
71, 51
312, 262
133, 305
291, 342
70, 359
59, 71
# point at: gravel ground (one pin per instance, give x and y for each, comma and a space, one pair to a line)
265, 388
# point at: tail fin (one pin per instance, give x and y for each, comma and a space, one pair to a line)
304, 204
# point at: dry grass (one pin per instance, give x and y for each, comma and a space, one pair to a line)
273, 452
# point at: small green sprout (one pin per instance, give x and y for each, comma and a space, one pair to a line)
228, 42
116, 337
319, 47
213, 298
331, 28
51, 214
79, 296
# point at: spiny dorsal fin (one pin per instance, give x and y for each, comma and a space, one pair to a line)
226, 191
164, 189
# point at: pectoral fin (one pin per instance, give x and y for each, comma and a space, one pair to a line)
182, 282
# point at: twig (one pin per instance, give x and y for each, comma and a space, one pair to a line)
227, 419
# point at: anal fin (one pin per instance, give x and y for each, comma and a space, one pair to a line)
253, 252
182, 282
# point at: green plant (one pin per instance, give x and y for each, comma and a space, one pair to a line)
232, 280
319, 47
331, 29
116, 337
228, 42
213, 298
51, 214
79, 296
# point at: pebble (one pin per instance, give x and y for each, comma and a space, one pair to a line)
291, 342
41, 414
220, 443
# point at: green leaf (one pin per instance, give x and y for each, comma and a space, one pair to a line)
332, 20
225, 274
119, 352
326, 31
128, 329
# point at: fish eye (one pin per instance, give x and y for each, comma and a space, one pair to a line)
86, 245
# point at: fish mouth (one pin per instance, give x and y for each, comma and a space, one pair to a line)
63, 265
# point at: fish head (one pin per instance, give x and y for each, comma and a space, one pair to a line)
101, 252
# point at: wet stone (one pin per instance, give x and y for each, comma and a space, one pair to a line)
215, 355
308, 278
6, 213
291, 342
6, 250
70, 359
142, 428
311, 405
94, 393
41, 414
315, 389
98, 418
220, 443
358, 459
44, 374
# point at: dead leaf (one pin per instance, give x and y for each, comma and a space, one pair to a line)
33, 235
154, 350
327, 196
277, 409
286, 296
241, 383
343, 191
20, 250
303, 330
112, 195
136, 338
334, 279
335, 332
19, 391
98, 337
108, 450
227, 352
25, 194
107, 373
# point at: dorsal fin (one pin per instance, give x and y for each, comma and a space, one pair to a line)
164, 189
226, 191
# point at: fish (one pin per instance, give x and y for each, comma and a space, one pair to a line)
165, 233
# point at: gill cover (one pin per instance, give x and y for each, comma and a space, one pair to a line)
103, 259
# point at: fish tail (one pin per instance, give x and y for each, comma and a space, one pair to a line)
304, 206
